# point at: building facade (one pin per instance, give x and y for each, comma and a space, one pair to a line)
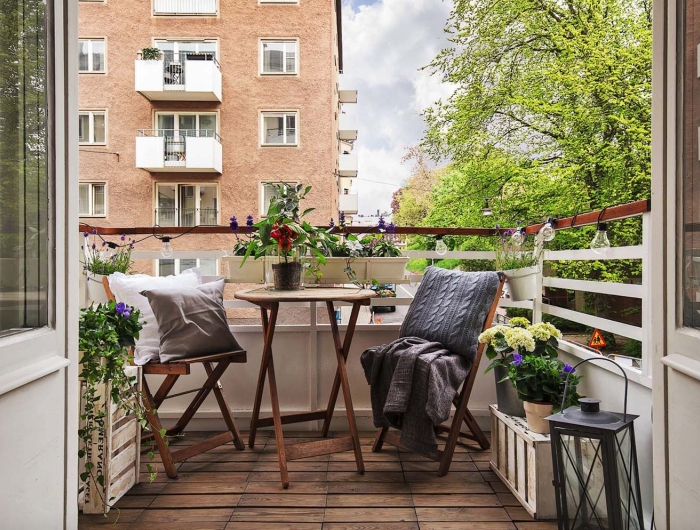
188, 107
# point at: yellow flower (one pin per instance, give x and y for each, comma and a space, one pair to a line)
518, 338
543, 331
519, 322
487, 336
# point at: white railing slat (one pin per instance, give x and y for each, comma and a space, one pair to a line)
618, 289
586, 254
632, 332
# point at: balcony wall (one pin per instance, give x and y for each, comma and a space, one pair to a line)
196, 154
348, 203
185, 7
201, 80
347, 165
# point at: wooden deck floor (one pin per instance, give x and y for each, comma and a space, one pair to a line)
226, 489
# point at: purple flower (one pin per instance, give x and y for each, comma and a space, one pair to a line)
498, 227
120, 308
126, 313
568, 369
331, 224
341, 220
84, 267
94, 231
104, 243
391, 228
86, 233
249, 221
234, 223
517, 359
94, 247
381, 224
123, 238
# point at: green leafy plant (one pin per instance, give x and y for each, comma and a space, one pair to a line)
151, 54
106, 257
541, 379
106, 334
513, 257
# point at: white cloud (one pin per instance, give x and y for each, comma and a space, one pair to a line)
385, 45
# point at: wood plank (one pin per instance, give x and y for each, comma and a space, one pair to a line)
303, 476
342, 476
456, 500
199, 525
185, 516
521, 481
294, 489
450, 487
310, 294
205, 476
274, 526
293, 418
355, 515
462, 514
135, 501
510, 442
200, 447
537, 525
371, 466
368, 487
467, 526
457, 476
196, 501
198, 488
415, 457
434, 466
371, 500
278, 515
114, 516
518, 513
166, 369
271, 499
319, 447
269, 465
370, 526
190, 466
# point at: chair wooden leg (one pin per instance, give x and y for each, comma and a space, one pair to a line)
336, 381
156, 427
165, 387
481, 438
225, 411
261, 379
452, 438
379, 440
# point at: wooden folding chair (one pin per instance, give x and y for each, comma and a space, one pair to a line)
462, 413
172, 372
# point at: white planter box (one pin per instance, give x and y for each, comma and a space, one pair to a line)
522, 459
522, 283
384, 270
95, 289
116, 451
252, 271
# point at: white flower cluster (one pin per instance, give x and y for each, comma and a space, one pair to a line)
519, 322
518, 338
543, 331
488, 336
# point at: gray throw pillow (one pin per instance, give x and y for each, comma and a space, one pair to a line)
191, 321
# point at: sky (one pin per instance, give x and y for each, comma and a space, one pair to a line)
385, 44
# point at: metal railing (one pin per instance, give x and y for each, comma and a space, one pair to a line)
185, 7
186, 216
175, 144
175, 67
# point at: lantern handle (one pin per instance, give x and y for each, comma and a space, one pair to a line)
566, 384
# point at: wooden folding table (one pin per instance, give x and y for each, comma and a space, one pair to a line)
269, 302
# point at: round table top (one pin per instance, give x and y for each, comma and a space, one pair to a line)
309, 294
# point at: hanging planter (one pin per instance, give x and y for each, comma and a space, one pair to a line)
522, 283
95, 288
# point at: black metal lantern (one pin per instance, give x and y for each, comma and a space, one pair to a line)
596, 479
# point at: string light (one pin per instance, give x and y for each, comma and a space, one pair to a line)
440, 246
518, 237
547, 231
600, 243
486, 210
166, 249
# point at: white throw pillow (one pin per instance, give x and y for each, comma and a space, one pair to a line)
127, 288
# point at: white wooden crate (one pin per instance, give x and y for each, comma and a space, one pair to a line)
116, 452
523, 461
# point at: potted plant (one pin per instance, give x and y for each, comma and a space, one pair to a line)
539, 381
518, 257
503, 342
284, 237
241, 270
102, 258
106, 334
151, 54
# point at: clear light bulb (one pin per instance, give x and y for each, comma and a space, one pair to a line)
547, 231
167, 249
601, 243
440, 247
518, 237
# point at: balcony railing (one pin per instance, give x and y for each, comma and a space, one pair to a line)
347, 165
185, 7
182, 76
348, 203
186, 216
189, 150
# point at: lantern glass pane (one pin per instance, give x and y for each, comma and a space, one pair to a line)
586, 505
628, 480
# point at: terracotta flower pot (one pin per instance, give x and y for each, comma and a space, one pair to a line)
536, 414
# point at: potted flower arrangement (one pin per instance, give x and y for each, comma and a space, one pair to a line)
241, 270
514, 345
283, 236
102, 259
108, 384
518, 257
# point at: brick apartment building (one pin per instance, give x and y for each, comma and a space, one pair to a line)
242, 92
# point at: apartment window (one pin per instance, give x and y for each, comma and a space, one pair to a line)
187, 204
91, 55
278, 56
92, 199
92, 128
279, 128
177, 50
267, 192
169, 267
186, 124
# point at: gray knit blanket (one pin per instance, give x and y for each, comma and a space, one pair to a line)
415, 378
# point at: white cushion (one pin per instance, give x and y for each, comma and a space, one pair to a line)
127, 288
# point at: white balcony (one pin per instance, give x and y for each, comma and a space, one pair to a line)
347, 165
347, 96
184, 151
185, 7
348, 203
183, 77
347, 127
